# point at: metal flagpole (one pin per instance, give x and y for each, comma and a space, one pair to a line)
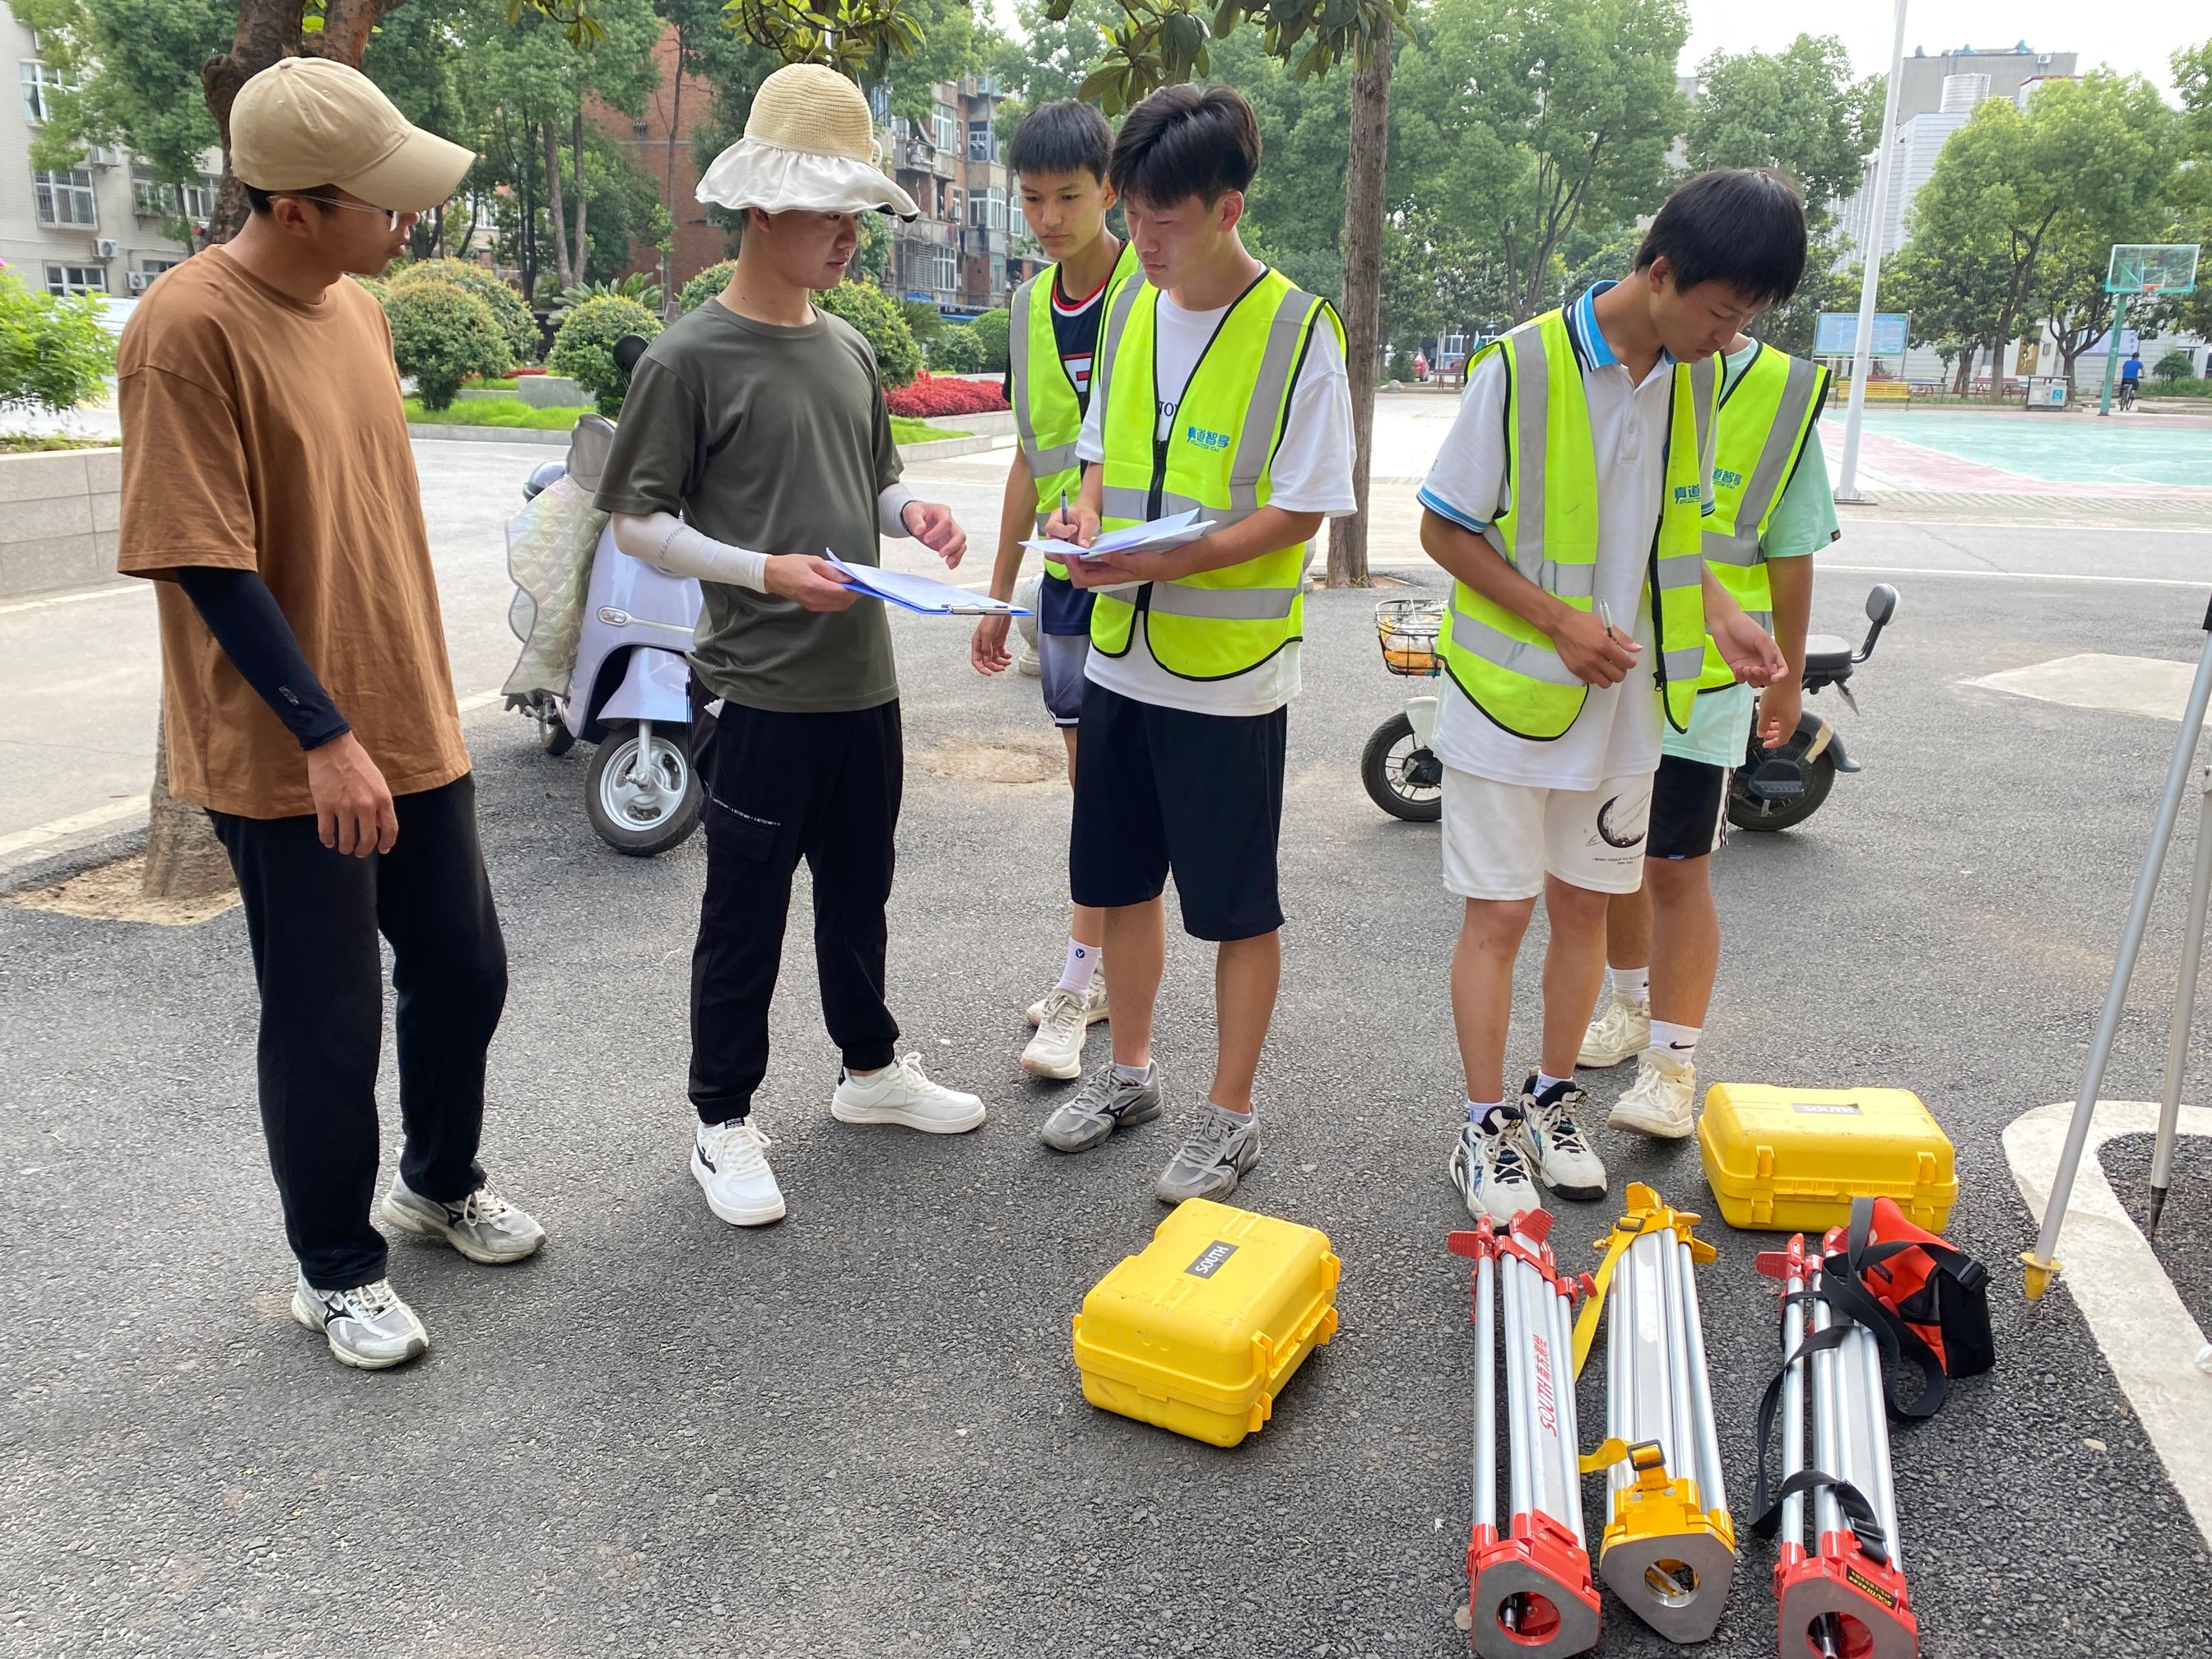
2042, 1262
1847, 485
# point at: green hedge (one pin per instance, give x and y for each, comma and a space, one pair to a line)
956, 350
441, 334
878, 316
584, 349
505, 301
53, 352
991, 328
705, 286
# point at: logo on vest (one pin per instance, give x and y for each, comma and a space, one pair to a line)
1724, 479
1199, 436
1685, 494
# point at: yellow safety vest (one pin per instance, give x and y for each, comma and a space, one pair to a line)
1767, 415
1510, 670
1046, 409
1218, 458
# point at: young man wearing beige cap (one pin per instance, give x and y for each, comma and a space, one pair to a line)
759, 420
268, 485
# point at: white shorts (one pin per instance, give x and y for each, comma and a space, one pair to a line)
1501, 840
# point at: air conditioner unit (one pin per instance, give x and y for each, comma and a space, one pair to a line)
106, 249
138, 281
103, 155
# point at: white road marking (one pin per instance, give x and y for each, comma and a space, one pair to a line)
1411, 562
2145, 1334
2155, 687
77, 597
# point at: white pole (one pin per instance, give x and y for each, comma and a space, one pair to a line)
1878, 231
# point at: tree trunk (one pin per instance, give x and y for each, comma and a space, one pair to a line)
555, 211
1362, 298
1965, 380
581, 263
184, 861
668, 284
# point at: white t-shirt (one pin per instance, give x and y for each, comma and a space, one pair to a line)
1616, 735
1312, 473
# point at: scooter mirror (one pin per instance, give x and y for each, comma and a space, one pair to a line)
1880, 606
628, 351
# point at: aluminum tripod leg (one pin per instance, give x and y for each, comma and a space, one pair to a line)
2042, 1262
2184, 1008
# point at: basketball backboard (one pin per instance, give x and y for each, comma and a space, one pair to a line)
2151, 268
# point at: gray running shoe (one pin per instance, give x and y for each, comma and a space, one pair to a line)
483, 1226
1221, 1146
368, 1327
1103, 1104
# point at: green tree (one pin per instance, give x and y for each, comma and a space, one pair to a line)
53, 351
2189, 188
882, 323
1532, 114
584, 349
1798, 110
516, 324
1053, 56
991, 331
706, 285
441, 334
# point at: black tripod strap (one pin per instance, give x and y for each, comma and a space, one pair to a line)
1767, 1505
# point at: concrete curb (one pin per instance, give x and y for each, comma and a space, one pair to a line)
487, 435
944, 448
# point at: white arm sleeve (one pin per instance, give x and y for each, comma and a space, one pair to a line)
667, 543
890, 506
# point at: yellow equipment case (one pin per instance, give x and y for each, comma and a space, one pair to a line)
1791, 1160
1200, 1332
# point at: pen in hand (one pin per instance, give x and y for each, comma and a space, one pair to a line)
1605, 616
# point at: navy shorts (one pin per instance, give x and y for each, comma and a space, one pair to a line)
1060, 657
1162, 791
1689, 809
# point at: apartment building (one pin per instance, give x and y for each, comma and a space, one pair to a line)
98, 228
969, 249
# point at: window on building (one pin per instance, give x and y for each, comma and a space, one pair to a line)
40, 81
981, 146
76, 279
1017, 222
199, 199
948, 128
155, 267
997, 218
958, 212
65, 198
948, 271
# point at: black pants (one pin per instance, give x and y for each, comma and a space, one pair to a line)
780, 787
313, 916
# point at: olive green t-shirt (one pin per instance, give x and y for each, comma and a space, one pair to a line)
777, 439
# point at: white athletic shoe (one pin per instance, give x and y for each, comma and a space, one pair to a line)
1621, 1032
483, 1226
1662, 1101
1552, 1141
902, 1093
1490, 1172
1094, 1003
1057, 1050
728, 1162
368, 1327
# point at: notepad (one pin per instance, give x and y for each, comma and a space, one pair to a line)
1176, 530
925, 594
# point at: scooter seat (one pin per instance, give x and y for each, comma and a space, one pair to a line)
1827, 656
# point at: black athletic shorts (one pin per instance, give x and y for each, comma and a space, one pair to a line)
1160, 790
1689, 809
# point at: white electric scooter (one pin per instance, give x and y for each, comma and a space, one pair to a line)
625, 685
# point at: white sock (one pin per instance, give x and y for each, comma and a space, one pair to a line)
1544, 1080
1631, 984
1676, 1042
1133, 1073
1082, 962
1478, 1113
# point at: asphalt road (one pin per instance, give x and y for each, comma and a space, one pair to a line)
859, 1432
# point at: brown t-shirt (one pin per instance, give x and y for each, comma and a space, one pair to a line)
263, 434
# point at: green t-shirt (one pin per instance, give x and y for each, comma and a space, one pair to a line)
1804, 521
776, 439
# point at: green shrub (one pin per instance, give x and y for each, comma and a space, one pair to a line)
957, 349
584, 349
926, 322
441, 334
53, 351
705, 286
636, 286
2174, 367
508, 310
878, 316
991, 328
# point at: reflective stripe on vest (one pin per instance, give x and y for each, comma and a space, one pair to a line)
1217, 458
1549, 532
1767, 414
1047, 412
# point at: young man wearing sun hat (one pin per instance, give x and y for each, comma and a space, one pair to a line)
755, 437
268, 484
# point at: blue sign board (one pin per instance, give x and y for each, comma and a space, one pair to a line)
1837, 334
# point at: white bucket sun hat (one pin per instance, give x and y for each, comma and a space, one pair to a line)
810, 144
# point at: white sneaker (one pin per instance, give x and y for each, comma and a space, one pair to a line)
903, 1094
1094, 1003
483, 1226
728, 1161
368, 1327
1487, 1168
1621, 1032
1057, 1050
1662, 1101
1552, 1141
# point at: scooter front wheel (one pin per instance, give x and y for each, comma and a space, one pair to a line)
643, 804
1404, 778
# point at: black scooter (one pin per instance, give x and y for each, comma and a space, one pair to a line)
1779, 789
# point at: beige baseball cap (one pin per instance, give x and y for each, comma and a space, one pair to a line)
305, 122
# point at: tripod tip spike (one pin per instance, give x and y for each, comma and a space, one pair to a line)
2157, 1204
2038, 1273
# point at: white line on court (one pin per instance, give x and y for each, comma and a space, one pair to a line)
78, 598
2145, 1334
